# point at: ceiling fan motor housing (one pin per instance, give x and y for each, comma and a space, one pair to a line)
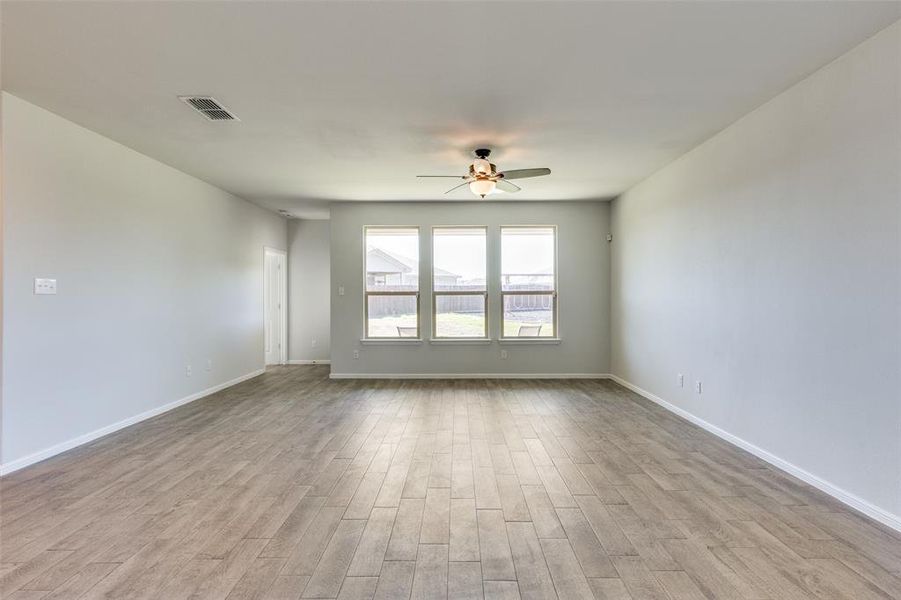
482, 168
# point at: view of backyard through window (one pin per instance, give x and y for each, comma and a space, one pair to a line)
392, 282
460, 282
460, 261
528, 281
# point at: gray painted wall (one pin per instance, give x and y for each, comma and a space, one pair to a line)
308, 290
156, 270
583, 262
767, 263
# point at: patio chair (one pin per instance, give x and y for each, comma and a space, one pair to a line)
406, 331
529, 331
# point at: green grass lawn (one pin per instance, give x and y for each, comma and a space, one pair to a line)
450, 325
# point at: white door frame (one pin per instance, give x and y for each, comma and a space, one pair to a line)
283, 301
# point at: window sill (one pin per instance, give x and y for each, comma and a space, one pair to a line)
460, 341
390, 341
533, 340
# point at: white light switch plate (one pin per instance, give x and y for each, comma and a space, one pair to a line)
44, 286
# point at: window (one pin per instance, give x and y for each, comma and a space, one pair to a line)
392, 282
459, 282
529, 281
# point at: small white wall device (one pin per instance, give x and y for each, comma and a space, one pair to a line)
44, 286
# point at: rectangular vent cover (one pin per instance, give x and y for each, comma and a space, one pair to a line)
209, 107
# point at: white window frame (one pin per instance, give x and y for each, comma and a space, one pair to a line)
367, 293
552, 293
437, 293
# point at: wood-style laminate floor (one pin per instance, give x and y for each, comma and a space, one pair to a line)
294, 486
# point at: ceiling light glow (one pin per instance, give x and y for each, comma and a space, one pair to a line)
482, 187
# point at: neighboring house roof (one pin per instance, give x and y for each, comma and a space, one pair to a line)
382, 261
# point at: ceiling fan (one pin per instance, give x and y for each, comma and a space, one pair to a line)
483, 177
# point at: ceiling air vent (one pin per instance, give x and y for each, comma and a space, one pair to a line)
209, 107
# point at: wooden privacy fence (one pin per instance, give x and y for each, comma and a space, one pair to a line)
387, 306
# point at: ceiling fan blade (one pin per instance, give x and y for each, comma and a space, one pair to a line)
503, 184
457, 187
445, 176
523, 173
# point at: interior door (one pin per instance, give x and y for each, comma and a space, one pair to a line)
273, 287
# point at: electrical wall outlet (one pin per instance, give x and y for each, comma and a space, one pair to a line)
340, 290
43, 286
313, 343
698, 386
356, 354
209, 364
503, 355
188, 370
680, 379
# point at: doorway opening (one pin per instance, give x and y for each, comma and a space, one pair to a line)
275, 301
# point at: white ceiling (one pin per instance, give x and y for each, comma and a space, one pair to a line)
348, 101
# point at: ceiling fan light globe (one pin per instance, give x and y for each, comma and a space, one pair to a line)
482, 187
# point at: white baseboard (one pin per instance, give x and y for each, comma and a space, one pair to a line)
874, 512
304, 361
469, 376
40, 455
